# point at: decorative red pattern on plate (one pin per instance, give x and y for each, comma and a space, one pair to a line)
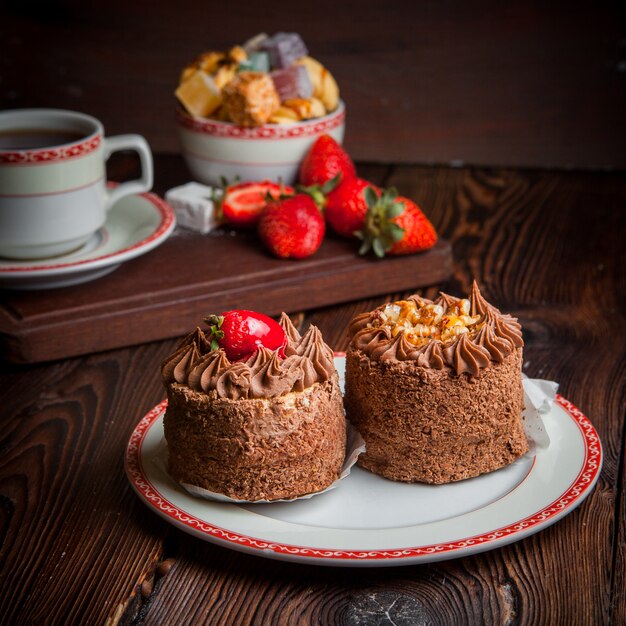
577, 490
50, 155
270, 131
167, 218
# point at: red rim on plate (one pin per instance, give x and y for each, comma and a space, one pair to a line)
579, 488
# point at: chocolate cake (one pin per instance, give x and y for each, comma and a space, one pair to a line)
265, 428
435, 388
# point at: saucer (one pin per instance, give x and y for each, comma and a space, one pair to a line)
135, 225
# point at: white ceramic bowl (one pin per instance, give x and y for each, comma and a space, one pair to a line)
213, 149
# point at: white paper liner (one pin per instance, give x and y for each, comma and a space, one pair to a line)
539, 396
355, 445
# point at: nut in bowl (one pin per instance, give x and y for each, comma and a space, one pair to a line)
253, 112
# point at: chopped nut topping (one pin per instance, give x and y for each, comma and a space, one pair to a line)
429, 321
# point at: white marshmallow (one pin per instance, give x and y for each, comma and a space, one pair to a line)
194, 207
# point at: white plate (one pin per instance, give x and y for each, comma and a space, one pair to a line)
371, 521
135, 224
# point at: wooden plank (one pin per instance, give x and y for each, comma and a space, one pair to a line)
168, 291
532, 84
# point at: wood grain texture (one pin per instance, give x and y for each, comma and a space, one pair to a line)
164, 293
65, 501
80, 548
483, 83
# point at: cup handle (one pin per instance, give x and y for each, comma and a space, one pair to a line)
141, 147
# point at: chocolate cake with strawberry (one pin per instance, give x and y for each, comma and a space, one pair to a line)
254, 409
435, 388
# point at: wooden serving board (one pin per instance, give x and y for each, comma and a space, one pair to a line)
167, 292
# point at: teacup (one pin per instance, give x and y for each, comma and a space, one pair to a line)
53, 191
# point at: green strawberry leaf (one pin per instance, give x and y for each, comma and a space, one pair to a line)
379, 248
394, 232
370, 197
365, 247
329, 185
395, 210
389, 195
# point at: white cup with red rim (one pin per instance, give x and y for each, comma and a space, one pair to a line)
53, 191
213, 149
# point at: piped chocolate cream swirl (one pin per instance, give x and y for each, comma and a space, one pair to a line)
465, 335
308, 360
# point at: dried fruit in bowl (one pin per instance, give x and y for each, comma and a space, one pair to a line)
292, 82
284, 49
325, 87
212, 83
199, 94
250, 98
284, 115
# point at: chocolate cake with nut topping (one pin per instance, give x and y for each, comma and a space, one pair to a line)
435, 388
266, 428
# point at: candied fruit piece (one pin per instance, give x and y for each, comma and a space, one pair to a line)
209, 61
292, 82
284, 115
254, 43
305, 109
256, 62
325, 87
250, 98
284, 49
199, 94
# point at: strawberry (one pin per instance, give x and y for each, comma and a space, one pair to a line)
242, 204
346, 206
395, 225
324, 160
240, 333
292, 227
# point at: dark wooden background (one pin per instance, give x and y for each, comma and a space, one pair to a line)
488, 83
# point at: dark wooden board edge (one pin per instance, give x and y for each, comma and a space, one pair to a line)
163, 318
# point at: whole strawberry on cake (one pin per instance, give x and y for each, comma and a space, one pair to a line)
435, 388
254, 409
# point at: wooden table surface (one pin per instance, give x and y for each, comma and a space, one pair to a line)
78, 547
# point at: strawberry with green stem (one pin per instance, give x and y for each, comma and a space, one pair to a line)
240, 333
394, 225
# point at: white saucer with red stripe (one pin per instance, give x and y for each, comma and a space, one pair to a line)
135, 225
369, 521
